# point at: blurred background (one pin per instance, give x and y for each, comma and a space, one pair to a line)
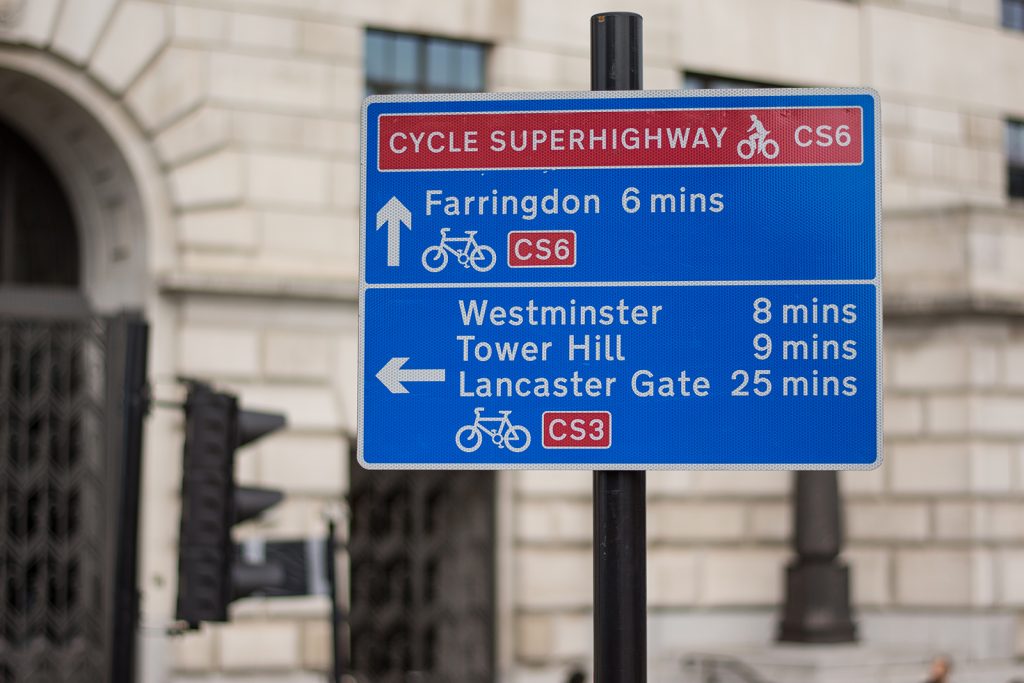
191, 168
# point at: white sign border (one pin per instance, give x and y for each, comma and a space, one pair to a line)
624, 95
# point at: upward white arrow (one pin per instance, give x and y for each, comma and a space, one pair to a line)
394, 214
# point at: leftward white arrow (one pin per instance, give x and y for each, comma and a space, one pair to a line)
394, 215
393, 374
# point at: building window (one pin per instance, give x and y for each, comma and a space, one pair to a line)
1013, 14
696, 81
406, 63
1015, 158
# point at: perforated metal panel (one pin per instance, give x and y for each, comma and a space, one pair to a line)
55, 510
422, 576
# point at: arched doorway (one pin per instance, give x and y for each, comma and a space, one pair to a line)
54, 115
69, 442
51, 500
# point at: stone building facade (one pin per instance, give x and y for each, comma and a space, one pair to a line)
210, 152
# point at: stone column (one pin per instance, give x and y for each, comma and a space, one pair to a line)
817, 606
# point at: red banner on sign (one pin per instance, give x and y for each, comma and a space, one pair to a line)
635, 138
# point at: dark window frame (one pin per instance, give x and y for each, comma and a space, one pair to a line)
697, 80
422, 80
1012, 14
1014, 145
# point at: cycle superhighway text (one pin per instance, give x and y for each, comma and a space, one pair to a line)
630, 280
656, 137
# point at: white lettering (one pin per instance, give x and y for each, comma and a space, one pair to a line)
391, 143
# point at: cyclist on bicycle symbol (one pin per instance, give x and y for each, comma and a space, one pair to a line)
758, 142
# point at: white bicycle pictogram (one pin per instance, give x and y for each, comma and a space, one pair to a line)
758, 142
516, 438
480, 257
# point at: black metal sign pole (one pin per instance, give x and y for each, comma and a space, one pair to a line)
620, 517
331, 547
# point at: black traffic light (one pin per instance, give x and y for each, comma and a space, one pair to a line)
209, 574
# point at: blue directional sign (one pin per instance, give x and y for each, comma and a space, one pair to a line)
621, 280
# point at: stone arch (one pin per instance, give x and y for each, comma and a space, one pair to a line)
106, 166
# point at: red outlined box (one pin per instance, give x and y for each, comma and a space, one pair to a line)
626, 138
577, 429
541, 248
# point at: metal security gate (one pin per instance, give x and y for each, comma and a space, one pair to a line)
62, 448
421, 555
